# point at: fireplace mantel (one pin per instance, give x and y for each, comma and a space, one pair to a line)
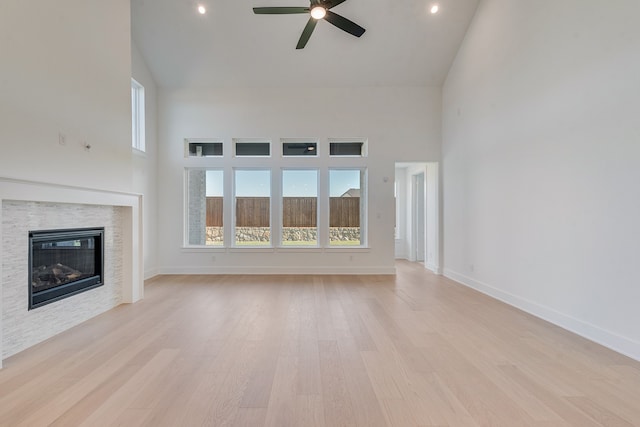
131, 269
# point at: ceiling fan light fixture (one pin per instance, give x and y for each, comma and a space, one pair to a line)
201, 9
435, 8
318, 12
318, 9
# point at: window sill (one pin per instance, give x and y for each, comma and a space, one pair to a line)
271, 249
138, 152
299, 249
250, 249
200, 249
339, 249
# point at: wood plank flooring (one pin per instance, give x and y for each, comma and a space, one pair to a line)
411, 350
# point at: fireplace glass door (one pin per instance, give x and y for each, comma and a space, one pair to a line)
64, 263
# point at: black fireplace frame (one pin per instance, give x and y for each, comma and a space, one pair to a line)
47, 296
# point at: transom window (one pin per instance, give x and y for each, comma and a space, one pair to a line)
347, 148
198, 148
247, 148
299, 148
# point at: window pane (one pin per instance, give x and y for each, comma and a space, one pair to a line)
205, 207
346, 207
215, 208
299, 207
346, 148
134, 117
205, 149
252, 202
299, 149
137, 115
253, 149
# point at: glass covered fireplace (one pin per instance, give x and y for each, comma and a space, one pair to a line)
64, 263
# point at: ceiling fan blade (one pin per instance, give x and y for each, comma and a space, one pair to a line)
306, 33
279, 10
334, 3
344, 24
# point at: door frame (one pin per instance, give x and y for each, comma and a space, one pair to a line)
406, 241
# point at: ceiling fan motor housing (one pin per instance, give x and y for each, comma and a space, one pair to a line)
324, 13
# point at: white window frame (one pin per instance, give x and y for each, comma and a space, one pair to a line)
363, 153
203, 142
276, 163
364, 207
137, 116
299, 141
187, 205
234, 219
240, 141
281, 227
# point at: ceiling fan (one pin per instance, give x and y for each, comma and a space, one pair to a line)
319, 9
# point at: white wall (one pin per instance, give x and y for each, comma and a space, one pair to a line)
65, 69
540, 159
145, 179
400, 124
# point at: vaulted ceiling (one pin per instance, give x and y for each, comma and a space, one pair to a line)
404, 44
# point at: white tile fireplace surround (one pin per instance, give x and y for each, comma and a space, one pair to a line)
27, 206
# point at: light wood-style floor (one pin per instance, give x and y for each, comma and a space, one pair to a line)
410, 350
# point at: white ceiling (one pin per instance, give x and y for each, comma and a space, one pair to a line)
230, 46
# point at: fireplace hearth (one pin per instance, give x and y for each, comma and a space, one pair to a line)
64, 263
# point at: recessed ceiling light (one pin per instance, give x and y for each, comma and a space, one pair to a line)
202, 10
435, 8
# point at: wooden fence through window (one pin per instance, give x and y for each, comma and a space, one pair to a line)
296, 211
252, 211
344, 212
299, 212
214, 211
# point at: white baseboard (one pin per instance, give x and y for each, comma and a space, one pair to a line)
151, 273
615, 342
279, 270
434, 268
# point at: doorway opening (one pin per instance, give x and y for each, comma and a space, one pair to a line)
418, 213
